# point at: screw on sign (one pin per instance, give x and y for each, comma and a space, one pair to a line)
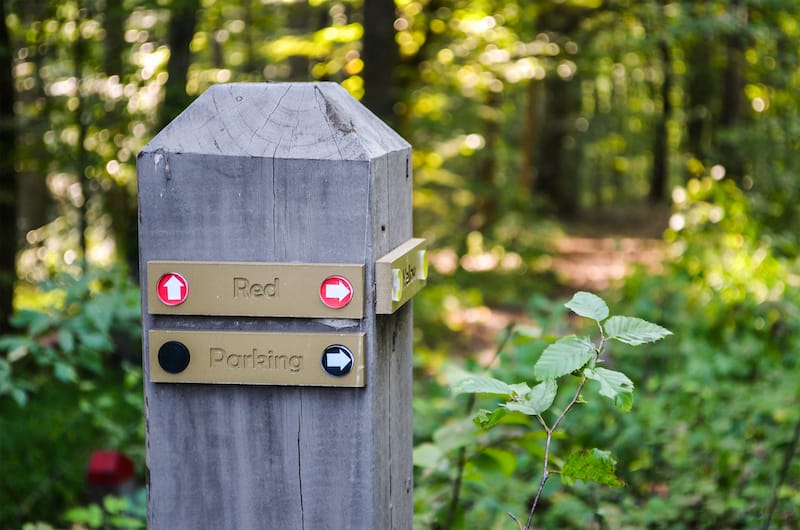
172, 289
336, 291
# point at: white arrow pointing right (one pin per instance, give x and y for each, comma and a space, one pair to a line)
337, 290
339, 359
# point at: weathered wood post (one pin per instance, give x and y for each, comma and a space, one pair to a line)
275, 228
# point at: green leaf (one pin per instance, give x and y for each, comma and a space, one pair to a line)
18, 353
456, 434
614, 385
65, 372
91, 515
40, 322
634, 331
115, 505
538, 400
591, 465
478, 384
125, 522
66, 340
588, 305
486, 419
506, 460
96, 341
427, 455
20, 396
563, 357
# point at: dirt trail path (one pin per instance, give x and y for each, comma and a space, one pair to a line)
600, 249
594, 253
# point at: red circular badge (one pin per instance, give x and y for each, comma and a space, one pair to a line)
172, 289
336, 291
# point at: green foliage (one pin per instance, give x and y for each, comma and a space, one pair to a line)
74, 337
567, 355
715, 425
117, 513
72, 383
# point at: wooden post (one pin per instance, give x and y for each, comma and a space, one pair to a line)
284, 174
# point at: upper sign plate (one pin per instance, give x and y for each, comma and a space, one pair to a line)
304, 290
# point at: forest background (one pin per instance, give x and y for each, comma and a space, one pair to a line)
527, 119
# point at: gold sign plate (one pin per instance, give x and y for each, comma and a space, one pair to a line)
257, 358
400, 274
304, 290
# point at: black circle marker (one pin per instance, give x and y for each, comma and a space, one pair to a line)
173, 356
337, 360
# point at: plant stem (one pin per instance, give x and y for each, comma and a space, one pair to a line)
548, 440
549, 431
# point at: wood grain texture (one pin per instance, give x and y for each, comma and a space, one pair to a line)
280, 173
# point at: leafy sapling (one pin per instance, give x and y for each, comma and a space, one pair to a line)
580, 357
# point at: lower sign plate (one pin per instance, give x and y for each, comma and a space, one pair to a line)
257, 358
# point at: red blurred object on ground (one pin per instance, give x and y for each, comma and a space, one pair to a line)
109, 468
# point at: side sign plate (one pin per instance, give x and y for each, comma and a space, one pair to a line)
257, 358
303, 290
400, 274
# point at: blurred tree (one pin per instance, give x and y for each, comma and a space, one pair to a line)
731, 113
8, 177
660, 171
182, 22
560, 154
114, 16
381, 58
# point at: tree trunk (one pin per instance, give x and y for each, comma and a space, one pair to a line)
381, 58
81, 156
700, 93
8, 182
660, 174
33, 197
114, 41
486, 202
558, 182
299, 21
730, 115
181, 31
559, 155
530, 136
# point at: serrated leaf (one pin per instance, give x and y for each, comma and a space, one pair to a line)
563, 357
588, 305
591, 465
486, 419
614, 385
538, 400
634, 331
478, 384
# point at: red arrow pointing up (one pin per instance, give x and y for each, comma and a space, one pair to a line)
172, 289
